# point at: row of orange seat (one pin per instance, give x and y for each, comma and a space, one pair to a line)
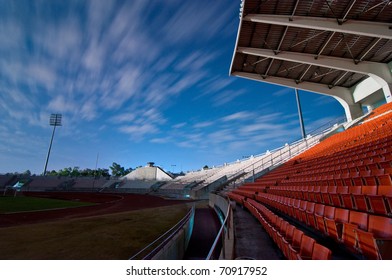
351, 180
294, 244
344, 171
342, 187
353, 139
371, 199
359, 159
360, 232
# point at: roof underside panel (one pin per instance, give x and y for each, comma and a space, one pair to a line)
338, 44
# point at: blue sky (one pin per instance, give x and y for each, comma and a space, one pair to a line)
136, 81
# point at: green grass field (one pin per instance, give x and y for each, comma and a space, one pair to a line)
108, 237
21, 203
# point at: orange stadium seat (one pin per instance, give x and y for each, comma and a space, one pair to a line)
318, 211
329, 213
357, 220
347, 199
384, 180
306, 248
336, 197
321, 252
309, 213
376, 242
360, 200
379, 203
295, 243
334, 225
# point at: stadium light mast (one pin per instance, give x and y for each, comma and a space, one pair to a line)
301, 119
55, 120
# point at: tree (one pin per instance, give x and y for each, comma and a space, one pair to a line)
75, 172
52, 173
65, 172
128, 170
101, 172
117, 170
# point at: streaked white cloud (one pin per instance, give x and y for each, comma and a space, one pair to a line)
243, 115
189, 21
179, 125
124, 117
137, 132
62, 104
203, 124
227, 96
163, 140
257, 127
283, 92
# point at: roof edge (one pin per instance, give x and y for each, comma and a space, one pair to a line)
242, 5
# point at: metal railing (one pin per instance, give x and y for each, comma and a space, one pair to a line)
148, 252
220, 236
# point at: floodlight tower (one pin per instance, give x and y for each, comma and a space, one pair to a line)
55, 120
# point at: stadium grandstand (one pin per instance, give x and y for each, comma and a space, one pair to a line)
332, 201
338, 191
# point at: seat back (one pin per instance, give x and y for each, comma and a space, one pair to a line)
319, 209
329, 212
359, 219
306, 248
384, 190
341, 215
283, 227
289, 233
297, 237
321, 252
380, 226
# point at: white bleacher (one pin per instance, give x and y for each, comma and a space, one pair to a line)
174, 186
248, 167
137, 184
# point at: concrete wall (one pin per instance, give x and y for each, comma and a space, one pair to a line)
175, 249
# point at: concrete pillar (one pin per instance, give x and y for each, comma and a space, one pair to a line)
387, 92
351, 109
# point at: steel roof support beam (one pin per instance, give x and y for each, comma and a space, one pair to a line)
363, 28
304, 73
347, 12
375, 42
325, 44
380, 69
294, 10
386, 3
343, 95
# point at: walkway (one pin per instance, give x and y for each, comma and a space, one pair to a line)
251, 240
205, 229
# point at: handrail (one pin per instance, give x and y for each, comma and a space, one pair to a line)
167, 236
218, 236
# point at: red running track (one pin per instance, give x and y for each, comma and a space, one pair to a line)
106, 204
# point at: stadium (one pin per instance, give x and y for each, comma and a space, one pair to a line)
327, 196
